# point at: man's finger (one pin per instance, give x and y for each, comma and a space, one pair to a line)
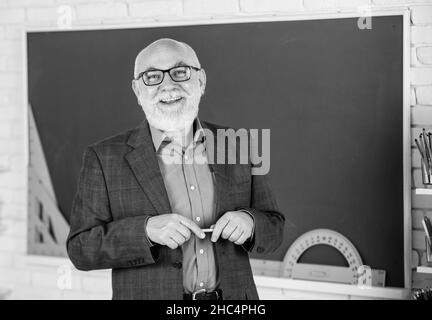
185, 232
192, 226
242, 239
235, 235
178, 238
220, 225
183, 238
171, 243
228, 230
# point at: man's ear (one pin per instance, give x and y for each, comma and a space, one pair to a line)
202, 80
135, 88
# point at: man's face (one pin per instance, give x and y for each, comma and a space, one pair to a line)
170, 105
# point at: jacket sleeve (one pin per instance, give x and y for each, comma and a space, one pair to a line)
268, 221
95, 240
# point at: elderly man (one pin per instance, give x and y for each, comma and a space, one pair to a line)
147, 218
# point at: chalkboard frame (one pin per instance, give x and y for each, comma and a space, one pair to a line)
404, 12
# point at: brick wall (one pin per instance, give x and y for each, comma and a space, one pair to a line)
421, 117
23, 276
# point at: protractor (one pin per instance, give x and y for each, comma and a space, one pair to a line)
323, 237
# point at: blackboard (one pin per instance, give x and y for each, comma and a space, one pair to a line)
330, 93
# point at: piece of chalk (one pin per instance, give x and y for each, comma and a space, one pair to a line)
207, 230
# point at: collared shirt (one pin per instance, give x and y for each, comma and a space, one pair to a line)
189, 183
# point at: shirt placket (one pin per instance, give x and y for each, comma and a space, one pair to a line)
197, 217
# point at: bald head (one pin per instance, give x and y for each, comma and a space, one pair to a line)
164, 54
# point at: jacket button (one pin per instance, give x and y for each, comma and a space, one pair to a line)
177, 265
260, 249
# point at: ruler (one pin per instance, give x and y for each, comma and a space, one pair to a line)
350, 275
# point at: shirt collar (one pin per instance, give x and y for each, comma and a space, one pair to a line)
159, 136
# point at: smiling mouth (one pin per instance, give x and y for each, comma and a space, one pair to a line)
169, 101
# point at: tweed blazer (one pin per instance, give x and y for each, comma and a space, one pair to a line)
120, 186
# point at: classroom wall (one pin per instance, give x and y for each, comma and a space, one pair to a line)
23, 276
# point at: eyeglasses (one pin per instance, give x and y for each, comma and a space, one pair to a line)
177, 74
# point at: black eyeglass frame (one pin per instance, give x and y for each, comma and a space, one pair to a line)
140, 75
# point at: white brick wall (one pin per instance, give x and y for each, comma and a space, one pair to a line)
421, 76
424, 55
421, 34
352, 3
156, 8
424, 95
319, 4
202, 7
258, 6
95, 11
37, 277
49, 14
421, 14
12, 15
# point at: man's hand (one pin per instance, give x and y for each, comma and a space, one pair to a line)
236, 226
171, 229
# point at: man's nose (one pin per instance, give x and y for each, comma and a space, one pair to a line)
167, 84
167, 79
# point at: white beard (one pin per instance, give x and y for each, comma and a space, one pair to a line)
173, 118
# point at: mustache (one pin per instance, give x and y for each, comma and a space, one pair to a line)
171, 92
171, 95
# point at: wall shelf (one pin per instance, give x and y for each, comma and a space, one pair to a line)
423, 191
424, 269
284, 288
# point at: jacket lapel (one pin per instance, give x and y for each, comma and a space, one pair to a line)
221, 174
143, 162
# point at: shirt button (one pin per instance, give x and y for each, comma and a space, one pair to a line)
198, 219
201, 284
192, 187
201, 251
